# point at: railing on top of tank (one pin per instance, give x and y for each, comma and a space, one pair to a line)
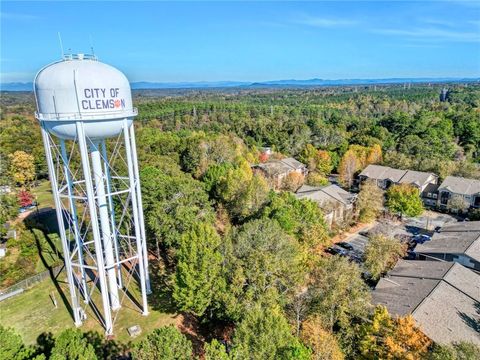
86, 116
79, 57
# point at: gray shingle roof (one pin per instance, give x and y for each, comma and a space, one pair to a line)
416, 177
459, 185
458, 238
325, 194
292, 163
382, 173
441, 296
276, 167
379, 172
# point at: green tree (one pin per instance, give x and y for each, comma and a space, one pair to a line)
262, 335
338, 292
166, 343
404, 199
215, 351
457, 351
369, 202
381, 254
12, 346
262, 262
173, 203
8, 211
300, 218
197, 276
71, 344
241, 191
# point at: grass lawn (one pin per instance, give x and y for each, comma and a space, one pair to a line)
43, 193
33, 313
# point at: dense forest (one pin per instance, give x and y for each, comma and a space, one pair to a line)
247, 263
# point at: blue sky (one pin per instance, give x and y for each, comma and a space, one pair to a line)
247, 41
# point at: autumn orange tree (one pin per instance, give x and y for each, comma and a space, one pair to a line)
293, 181
385, 337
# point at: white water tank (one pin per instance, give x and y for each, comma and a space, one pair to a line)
80, 88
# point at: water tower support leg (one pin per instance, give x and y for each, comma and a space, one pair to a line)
73, 210
138, 238
95, 228
61, 225
140, 208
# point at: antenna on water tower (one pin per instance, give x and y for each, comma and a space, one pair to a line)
86, 113
61, 44
91, 45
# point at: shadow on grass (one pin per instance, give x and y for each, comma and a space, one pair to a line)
40, 221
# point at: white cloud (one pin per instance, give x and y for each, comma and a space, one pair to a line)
432, 33
18, 16
324, 22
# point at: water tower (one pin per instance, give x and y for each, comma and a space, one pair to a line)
86, 115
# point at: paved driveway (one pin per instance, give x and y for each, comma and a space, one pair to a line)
428, 221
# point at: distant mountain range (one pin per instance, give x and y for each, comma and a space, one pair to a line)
18, 86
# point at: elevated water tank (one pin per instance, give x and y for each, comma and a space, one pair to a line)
80, 88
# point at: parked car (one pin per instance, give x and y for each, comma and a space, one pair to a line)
421, 238
355, 258
345, 245
336, 250
365, 233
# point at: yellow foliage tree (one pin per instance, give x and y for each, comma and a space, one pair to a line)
347, 168
387, 338
361, 152
22, 167
322, 342
374, 155
407, 341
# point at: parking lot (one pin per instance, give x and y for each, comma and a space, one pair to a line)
424, 224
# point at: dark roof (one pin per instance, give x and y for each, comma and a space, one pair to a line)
455, 238
439, 295
430, 188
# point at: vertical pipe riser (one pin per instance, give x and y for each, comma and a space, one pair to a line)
106, 233
111, 210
